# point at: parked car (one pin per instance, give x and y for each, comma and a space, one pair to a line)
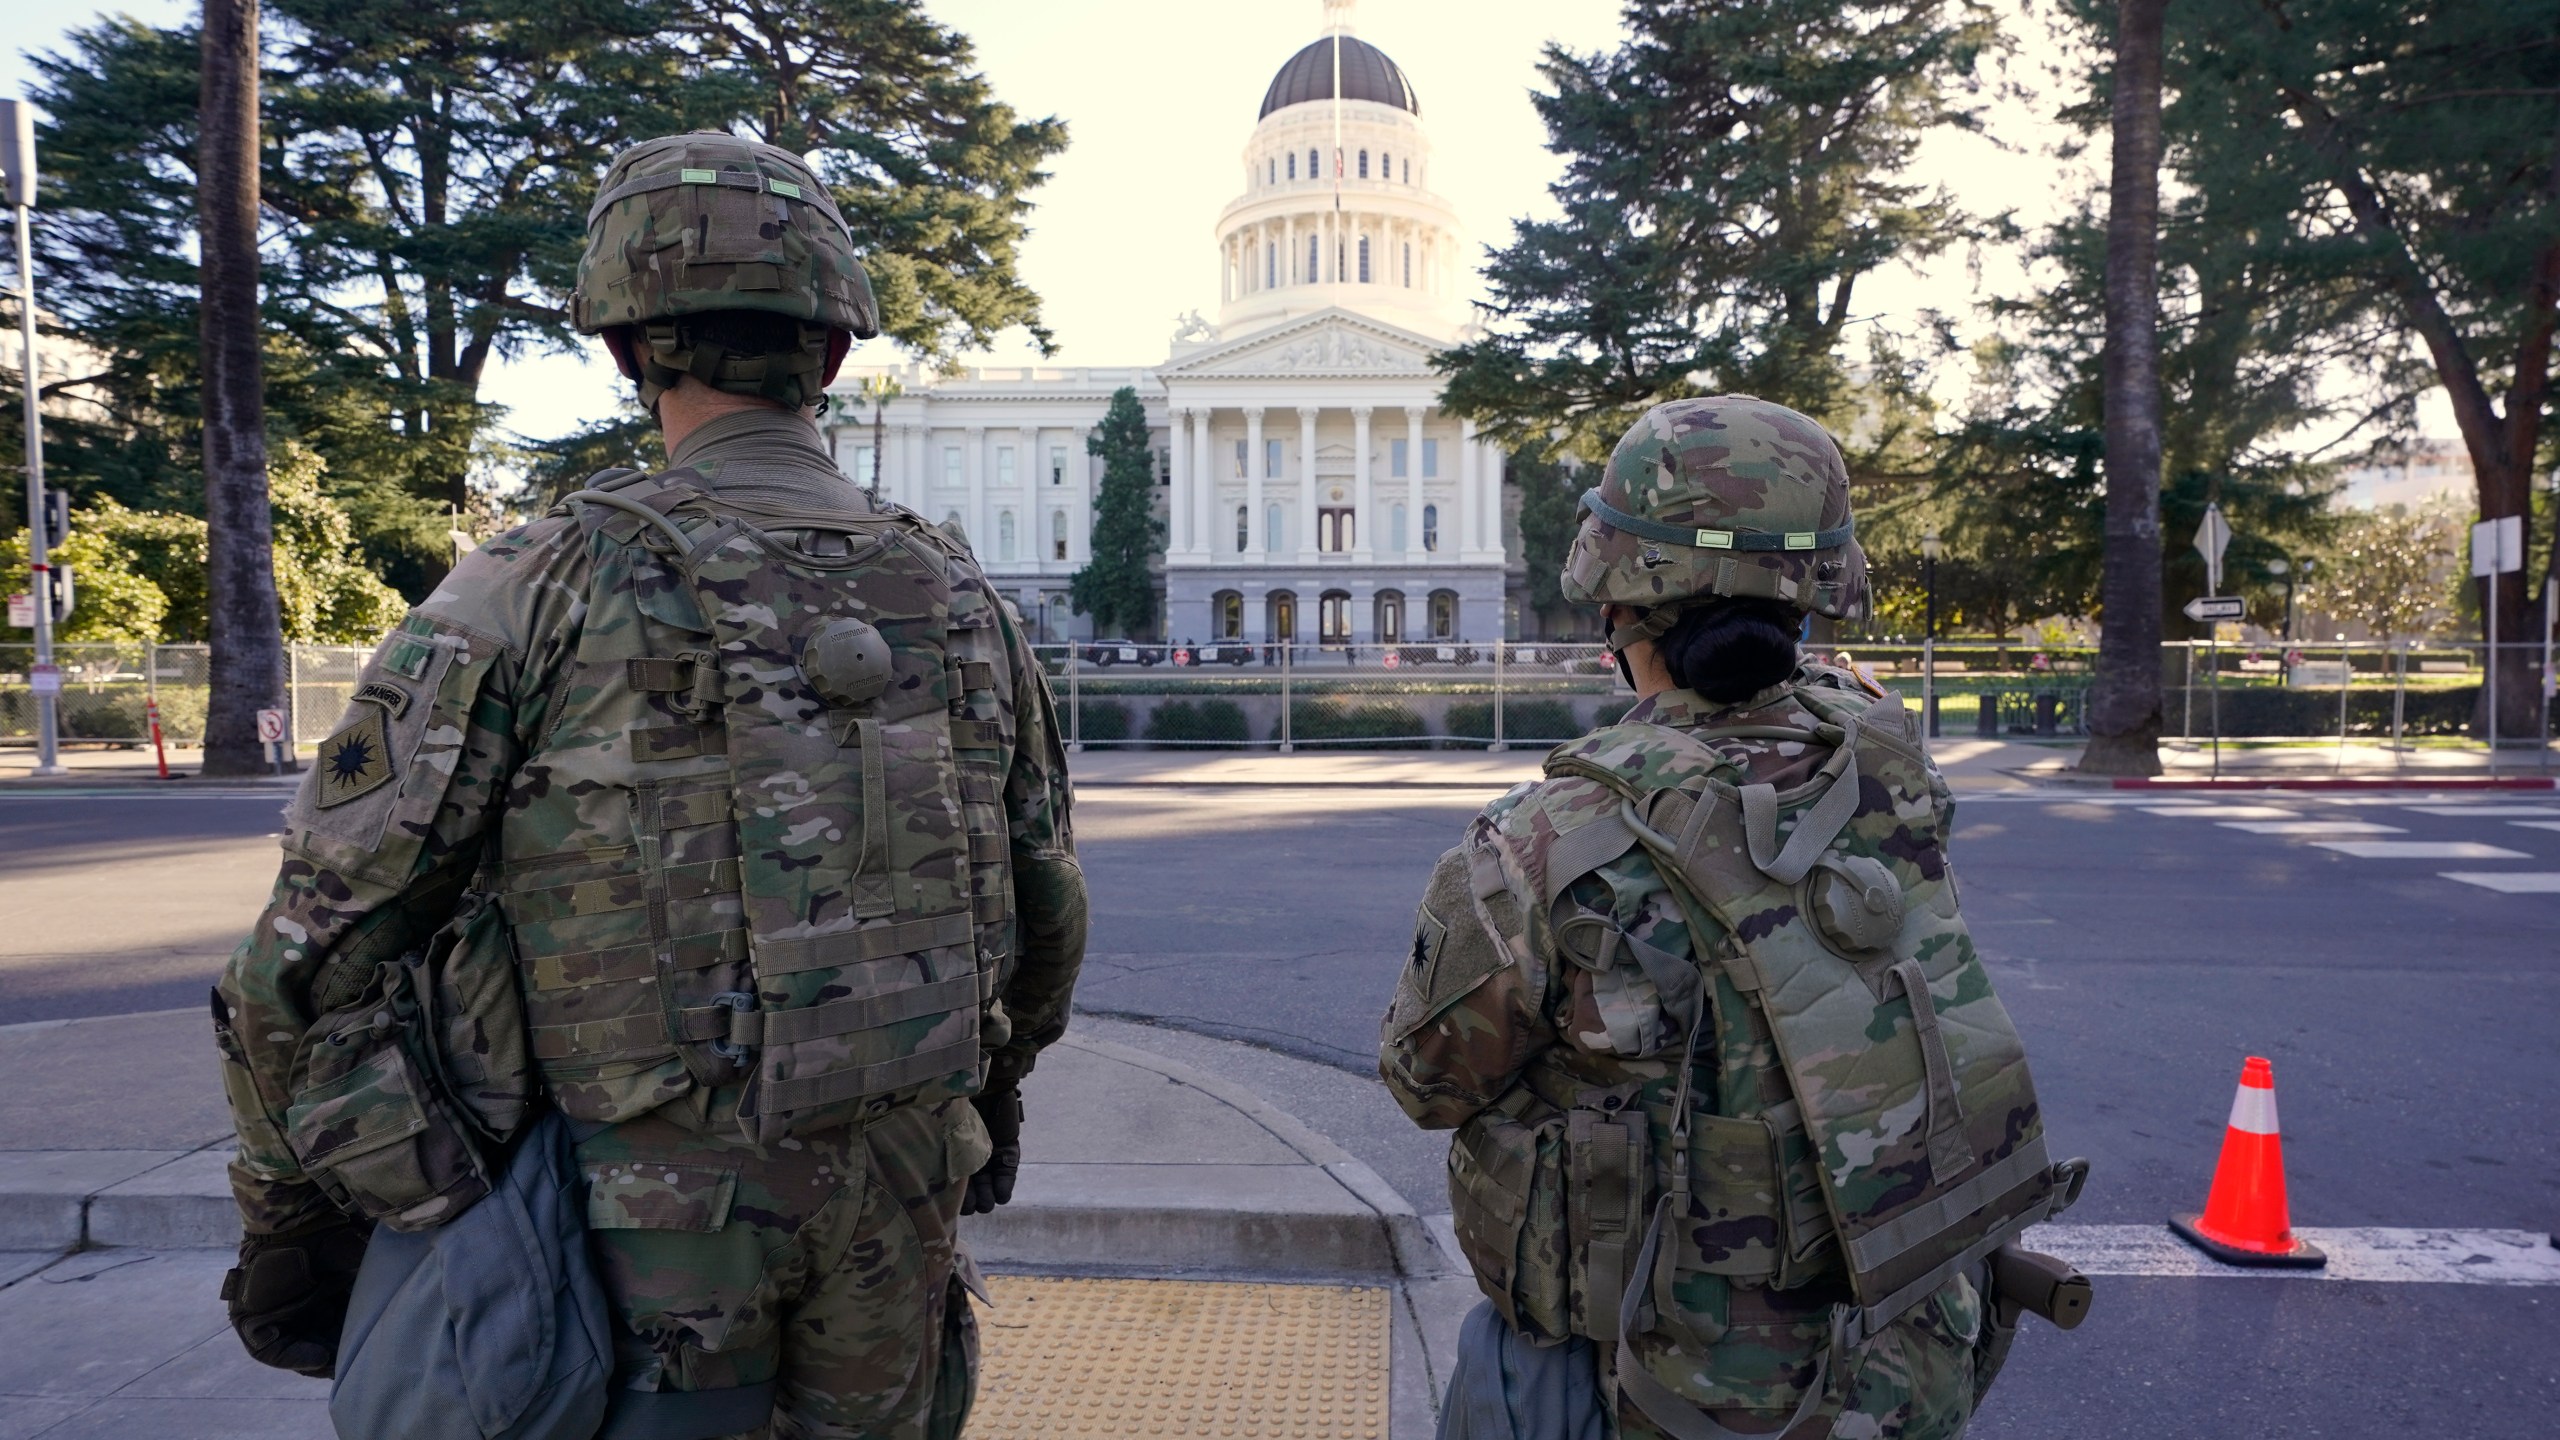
1215, 652
1122, 652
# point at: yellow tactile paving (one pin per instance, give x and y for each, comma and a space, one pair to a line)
1070, 1359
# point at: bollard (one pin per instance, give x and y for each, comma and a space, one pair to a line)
1986, 721
2047, 705
1935, 710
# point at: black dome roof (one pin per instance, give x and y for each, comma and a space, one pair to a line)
1367, 74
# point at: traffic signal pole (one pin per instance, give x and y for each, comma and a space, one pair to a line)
17, 132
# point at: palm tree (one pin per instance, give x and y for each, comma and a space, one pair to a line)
2124, 704
240, 580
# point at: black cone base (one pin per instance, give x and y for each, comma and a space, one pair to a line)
2303, 1256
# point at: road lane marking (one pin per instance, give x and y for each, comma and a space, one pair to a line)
2421, 850
2312, 827
2370, 1254
2225, 812
2508, 882
2488, 812
2536, 824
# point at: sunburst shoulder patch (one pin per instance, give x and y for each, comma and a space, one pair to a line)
355, 761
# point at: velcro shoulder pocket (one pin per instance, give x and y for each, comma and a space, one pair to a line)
659, 1195
1452, 952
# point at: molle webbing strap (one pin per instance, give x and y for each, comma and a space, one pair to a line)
854, 947
1607, 1150
1704, 538
874, 889
844, 1017
1818, 827
1666, 1407
1950, 1154
828, 1086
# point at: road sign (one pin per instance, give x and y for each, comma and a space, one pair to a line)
22, 612
2212, 538
45, 679
1392, 660
270, 726
2497, 546
2205, 608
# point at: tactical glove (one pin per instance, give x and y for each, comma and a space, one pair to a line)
288, 1296
993, 1184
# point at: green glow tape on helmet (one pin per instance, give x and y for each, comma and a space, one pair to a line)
1616, 518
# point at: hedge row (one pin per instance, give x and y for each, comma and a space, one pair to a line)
2255, 711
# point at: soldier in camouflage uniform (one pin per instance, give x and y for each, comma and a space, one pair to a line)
1699, 1004
765, 787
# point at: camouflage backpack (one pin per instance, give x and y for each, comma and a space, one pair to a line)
1899, 1139
812, 903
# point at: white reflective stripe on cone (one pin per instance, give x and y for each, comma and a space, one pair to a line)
2253, 1111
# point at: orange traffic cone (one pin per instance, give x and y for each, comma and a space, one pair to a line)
2245, 1221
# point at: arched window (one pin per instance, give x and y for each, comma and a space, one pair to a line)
1386, 166
1057, 534
1004, 535
1408, 172
1444, 614
1274, 176
1390, 617
1280, 615
1364, 164
1395, 527
1275, 524
1364, 259
1333, 618
1293, 164
1315, 258
1243, 523
1228, 608
1315, 171
1431, 527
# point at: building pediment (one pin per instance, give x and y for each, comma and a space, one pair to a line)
1332, 342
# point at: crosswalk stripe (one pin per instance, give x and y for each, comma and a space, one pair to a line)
2509, 882
2370, 1254
2488, 812
2312, 827
2421, 850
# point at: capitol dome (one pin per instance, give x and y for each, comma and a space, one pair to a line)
1367, 74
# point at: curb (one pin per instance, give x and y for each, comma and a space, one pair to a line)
2337, 782
1328, 1216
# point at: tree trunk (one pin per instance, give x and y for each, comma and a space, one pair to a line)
240, 580
2124, 704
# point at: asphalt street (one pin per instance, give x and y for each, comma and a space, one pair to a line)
2413, 1019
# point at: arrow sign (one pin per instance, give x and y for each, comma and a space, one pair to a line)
2205, 609
2212, 538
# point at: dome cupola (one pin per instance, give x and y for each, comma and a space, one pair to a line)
1367, 74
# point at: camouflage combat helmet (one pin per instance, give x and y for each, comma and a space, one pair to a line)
1722, 495
689, 224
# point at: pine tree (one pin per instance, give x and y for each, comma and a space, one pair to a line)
1116, 587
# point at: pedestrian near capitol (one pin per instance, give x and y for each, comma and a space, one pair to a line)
721, 812
1742, 1131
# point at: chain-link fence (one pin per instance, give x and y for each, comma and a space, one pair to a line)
1243, 694
110, 691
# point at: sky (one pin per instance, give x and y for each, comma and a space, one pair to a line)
1159, 97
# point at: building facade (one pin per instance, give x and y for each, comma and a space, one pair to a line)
1311, 486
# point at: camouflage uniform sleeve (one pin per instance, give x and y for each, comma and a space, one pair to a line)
1048, 884
379, 842
1470, 1008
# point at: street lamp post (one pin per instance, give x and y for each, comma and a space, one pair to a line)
1929, 551
18, 151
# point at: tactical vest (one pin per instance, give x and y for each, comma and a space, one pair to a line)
777, 759
1874, 1116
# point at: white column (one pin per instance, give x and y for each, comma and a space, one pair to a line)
920, 474
973, 516
1413, 481
1289, 248
1079, 500
1364, 519
1462, 542
1204, 486
1256, 543
1306, 485
1489, 469
1177, 540
1030, 527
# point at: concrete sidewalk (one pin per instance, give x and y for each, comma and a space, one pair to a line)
116, 1223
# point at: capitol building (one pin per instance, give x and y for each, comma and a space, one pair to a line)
1311, 487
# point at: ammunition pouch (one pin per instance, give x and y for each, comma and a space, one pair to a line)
401, 1097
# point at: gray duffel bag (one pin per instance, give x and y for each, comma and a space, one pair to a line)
491, 1326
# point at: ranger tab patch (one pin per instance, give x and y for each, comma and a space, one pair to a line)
355, 761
